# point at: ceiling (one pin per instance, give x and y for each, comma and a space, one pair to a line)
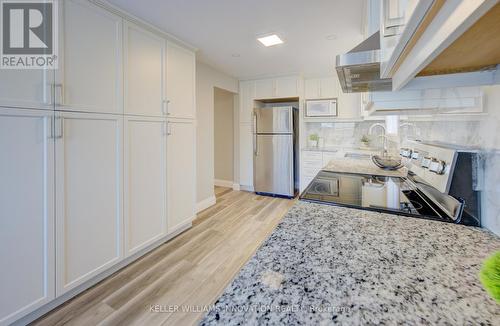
225, 32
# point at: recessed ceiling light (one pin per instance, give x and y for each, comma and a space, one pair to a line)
270, 40
331, 37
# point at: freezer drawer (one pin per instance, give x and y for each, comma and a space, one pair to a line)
276, 120
273, 164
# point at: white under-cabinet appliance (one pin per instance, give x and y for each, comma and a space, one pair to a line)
321, 108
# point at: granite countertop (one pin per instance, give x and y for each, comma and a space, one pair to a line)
334, 149
322, 149
362, 166
326, 265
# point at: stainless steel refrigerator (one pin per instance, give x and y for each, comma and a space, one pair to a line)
275, 151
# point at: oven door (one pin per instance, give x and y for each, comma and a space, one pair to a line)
324, 187
321, 108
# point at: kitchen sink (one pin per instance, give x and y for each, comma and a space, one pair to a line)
361, 156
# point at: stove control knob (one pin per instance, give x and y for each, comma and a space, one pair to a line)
405, 152
437, 166
415, 155
426, 161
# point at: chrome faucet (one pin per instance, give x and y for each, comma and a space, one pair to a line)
384, 136
373, 126
416, 130
384, 145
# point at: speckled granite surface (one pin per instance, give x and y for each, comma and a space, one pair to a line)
326, 265
362, 166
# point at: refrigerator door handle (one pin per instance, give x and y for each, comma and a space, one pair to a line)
254, 122
255, 148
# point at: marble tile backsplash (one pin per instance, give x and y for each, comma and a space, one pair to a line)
465, 133
344, 134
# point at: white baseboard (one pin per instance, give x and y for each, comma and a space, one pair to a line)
223, 183
246, 188
236, 186
205, 203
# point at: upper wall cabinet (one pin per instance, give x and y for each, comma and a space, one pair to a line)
247, 95
89, 77
281, 87
26, 89
144, 72
180, 86
321, 88
456, 39
265, 88
421, 101
288, 87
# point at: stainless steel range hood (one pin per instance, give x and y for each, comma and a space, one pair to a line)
359, 69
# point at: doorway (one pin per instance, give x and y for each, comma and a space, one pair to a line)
224, 139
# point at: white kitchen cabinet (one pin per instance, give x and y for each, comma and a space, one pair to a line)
312, 88
287, 87
180, 82
246, 95
246, 156
348, 104
438, 37
26, 211
264, 89
321, 88
89, 77
312, 162
280, 87
88, 156
26, 89
181, 167
145, 182
421, 101
144, 57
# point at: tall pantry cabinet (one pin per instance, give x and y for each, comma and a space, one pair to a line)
98, 156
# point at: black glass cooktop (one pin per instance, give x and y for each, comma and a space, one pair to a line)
378, 193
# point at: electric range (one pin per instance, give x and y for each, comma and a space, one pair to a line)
432, 189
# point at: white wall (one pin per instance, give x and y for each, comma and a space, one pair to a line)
223, 135
206, 79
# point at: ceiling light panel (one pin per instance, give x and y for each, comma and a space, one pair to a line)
270, 40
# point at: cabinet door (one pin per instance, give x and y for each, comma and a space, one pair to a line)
180, 71
90, 74
247, 95
26, 88
88, 195
312, 89
246, 155
26, 212
181, 167
144, 71
348, 105
287, 87
145, 182
264, 88
328, 87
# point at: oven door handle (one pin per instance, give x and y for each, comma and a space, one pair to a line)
460, 210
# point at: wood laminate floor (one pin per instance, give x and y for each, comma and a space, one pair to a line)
184, 275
